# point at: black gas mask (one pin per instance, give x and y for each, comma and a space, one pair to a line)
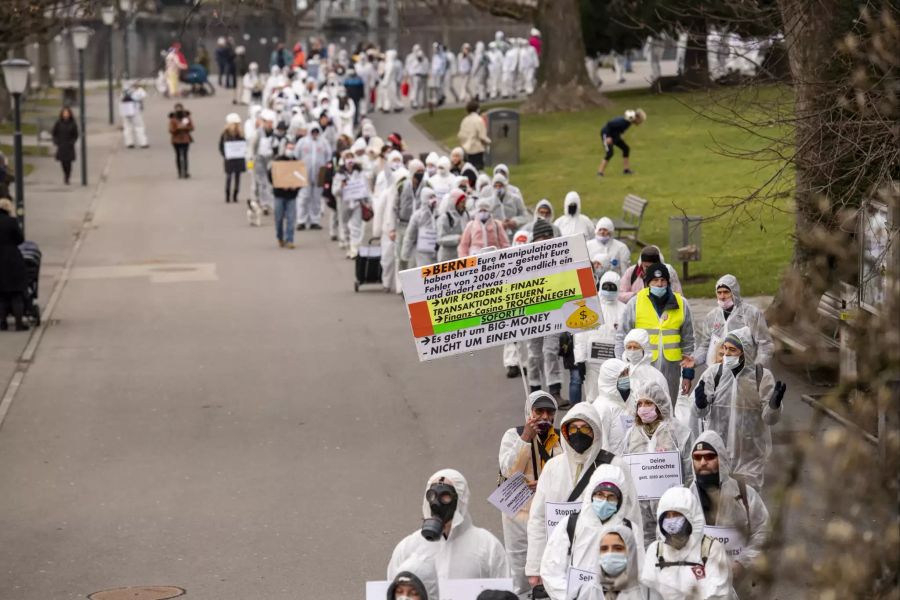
572, 209
442, 500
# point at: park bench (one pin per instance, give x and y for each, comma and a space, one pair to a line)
633, 208
818, 340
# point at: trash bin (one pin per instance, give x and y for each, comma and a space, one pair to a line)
685, 241
503, 129
70, 96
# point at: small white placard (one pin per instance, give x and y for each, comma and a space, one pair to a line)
731, 537
654, 472
355, 189
426, 242
127, 109
235, 149
626, 420
555, 512
511, 495
577, 578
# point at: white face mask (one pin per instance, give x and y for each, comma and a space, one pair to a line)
632, 357
731, 362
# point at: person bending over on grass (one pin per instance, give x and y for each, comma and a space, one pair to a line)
612, 133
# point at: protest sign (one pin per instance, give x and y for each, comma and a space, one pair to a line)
554, 512
289, 174
451, 589
731, 537
577, 578
354, 189
235, 149
500, 297
654, 472
511, 495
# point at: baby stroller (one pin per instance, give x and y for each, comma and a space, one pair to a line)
196, 77
368, 265
32, 255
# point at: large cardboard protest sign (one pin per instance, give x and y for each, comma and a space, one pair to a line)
499, 297
289, 174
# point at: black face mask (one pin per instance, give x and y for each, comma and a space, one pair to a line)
624, 394
580, 442
708, 480
442, 500
179, 114
572, 209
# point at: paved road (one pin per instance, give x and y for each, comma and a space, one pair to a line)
210, 411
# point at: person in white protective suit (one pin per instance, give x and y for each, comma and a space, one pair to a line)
274, 82
131, 109
451, 221
730, 504
315, 152
740, 400
542, 210
387, 97
369, 77
459, 549
515, 354
638, 355
619, 561
442, 180
494, 69
384, 222
431, 161
526, 449
528, 65
344, 113
655, 429
576, 540
507, 207
595, 346
350, 187
509, 71
565, 479
438, 71
252, 85
730, 314
478, 81
416, 579
502, 169
572, 220
260, 150
683, 563
613, 390
606, 252
462, 80
420, 241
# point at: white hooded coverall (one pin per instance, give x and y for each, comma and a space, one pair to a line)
612, 254
626, 585
561, 475
739, 411
596, 346
694, 581
420, 572
574, 224
584, 552
468, 552
131, 109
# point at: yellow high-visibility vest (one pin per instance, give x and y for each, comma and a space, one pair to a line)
665, 330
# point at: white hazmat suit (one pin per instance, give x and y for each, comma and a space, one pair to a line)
468, 552
574, 222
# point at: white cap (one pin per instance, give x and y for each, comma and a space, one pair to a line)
534, 31
268, 115
233, 119
431, 159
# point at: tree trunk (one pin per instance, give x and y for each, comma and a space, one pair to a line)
696, 59
810, 42
562, 79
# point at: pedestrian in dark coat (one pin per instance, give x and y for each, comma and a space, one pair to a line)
12, 268
65, 134
234, 166
180, 128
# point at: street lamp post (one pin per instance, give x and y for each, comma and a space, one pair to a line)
109, 17
126, 6
80, 38
15, 71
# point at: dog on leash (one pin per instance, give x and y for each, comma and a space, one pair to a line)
254, 213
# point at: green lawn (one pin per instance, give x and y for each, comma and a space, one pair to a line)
27, 150
676, 168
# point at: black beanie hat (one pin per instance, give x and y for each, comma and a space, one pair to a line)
542, 229
657, 270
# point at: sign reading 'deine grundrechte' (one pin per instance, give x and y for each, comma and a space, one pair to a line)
500, 297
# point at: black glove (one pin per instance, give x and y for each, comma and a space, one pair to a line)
700, 396
777, 395
582, 368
